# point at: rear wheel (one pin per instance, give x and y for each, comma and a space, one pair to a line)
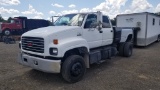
73, 68
121, 49
126, 49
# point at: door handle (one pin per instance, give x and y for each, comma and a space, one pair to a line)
111, 30
100, 31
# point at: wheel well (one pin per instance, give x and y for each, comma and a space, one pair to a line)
129, 38
82, 51
76, 51
6, 29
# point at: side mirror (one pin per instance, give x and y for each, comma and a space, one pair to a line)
94, 25
100, 27
97, 25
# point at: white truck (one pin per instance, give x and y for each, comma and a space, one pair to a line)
73, 44
148, 24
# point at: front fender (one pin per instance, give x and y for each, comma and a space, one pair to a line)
70, 43
5, 28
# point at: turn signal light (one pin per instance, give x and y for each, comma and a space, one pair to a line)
55, 41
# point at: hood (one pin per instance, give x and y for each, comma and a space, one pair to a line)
42, 32
4, 24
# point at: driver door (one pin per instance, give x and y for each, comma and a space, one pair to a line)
92, 35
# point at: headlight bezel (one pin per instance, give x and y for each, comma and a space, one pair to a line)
53, 51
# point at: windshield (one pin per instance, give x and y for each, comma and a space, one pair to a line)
70, 20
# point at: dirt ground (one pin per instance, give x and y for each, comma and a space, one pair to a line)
139, 72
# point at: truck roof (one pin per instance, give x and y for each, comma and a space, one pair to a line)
85, 13
21, 17
82, 13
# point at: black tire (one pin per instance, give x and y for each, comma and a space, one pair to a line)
121, 49
7, 32
128, 49
73, 68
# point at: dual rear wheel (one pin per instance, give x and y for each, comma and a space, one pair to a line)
126, 49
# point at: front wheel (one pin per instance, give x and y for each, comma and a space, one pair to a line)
73, 68
7, 32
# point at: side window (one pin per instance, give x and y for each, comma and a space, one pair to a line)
90, 19
17, 22
153, 21
106, 23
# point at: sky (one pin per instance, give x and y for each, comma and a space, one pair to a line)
44, 9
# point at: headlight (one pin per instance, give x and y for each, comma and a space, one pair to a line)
53, 51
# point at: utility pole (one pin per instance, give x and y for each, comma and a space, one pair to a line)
1, 19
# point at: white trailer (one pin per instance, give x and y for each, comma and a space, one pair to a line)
148, 23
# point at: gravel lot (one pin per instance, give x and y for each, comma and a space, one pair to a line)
139, 72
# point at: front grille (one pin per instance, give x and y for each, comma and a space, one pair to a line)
34, 44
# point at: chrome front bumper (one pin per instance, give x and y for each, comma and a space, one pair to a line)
45, 65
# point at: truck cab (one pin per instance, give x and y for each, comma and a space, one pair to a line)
15, 24
74, 43
20, 25
94, 36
